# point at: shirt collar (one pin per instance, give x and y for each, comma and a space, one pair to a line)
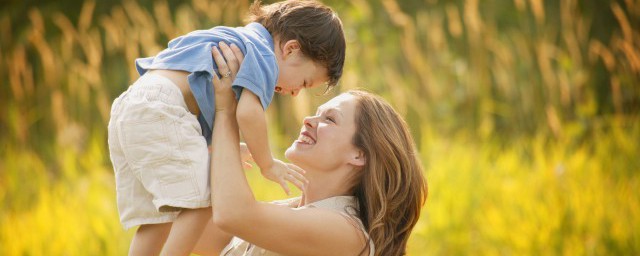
262, 31
336, 203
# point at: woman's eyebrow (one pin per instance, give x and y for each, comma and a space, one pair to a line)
335, 110
329, 110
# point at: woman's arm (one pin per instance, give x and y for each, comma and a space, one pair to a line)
212, 240
280, 229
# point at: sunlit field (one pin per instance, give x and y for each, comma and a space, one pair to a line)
526, 115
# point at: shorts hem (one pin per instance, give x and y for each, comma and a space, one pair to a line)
144, 221
182, 204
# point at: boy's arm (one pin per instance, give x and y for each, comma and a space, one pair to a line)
253, 125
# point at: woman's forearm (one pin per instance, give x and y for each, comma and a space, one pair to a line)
230, 192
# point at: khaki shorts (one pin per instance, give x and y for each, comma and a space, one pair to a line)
159, 155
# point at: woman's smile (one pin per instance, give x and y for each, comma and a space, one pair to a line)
306, 138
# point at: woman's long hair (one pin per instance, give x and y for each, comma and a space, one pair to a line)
391, 188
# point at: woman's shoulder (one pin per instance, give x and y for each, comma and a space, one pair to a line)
346, 206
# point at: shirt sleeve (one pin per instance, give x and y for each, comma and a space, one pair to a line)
257, 73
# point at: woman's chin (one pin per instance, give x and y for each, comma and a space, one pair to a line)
298, 146
295, 153
290, 153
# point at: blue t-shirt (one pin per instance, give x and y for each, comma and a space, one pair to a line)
192, 53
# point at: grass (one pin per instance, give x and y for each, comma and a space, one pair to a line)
531, 197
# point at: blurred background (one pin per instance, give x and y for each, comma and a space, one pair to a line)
526, 114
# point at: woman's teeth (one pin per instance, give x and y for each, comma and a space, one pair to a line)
306, 139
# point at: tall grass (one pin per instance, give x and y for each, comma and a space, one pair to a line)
525, 114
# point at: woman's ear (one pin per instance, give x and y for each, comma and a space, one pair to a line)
289, 47
358, 159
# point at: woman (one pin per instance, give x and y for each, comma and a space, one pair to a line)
365, 186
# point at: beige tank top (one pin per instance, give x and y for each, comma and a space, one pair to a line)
346, 205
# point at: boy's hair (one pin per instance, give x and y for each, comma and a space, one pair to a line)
315, 26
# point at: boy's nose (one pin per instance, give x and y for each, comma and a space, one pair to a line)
295, 92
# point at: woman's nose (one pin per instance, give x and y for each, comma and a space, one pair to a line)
295, 92
309, 121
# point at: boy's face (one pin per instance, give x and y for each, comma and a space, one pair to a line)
297, 71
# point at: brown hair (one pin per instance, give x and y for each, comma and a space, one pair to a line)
390, 188
315, 26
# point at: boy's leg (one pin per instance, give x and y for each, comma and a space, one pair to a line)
186, 231
149, 239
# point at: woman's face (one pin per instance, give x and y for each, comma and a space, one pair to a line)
324, 142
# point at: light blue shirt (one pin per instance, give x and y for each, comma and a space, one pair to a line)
192, 53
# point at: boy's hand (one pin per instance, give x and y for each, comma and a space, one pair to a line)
281, 172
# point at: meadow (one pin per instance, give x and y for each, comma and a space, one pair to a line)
526, 114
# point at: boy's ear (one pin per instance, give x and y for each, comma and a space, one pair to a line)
289, 47
358, 159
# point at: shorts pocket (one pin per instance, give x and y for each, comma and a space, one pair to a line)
147, 142
180, 185
176, 188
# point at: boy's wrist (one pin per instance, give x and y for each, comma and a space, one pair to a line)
266, 166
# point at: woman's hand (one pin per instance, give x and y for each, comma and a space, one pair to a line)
245, 156
228, 60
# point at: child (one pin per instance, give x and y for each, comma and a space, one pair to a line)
161, 126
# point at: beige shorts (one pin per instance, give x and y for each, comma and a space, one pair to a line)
159, 155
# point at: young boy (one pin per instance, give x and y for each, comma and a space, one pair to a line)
161, 126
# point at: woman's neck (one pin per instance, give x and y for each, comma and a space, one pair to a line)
325, 185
